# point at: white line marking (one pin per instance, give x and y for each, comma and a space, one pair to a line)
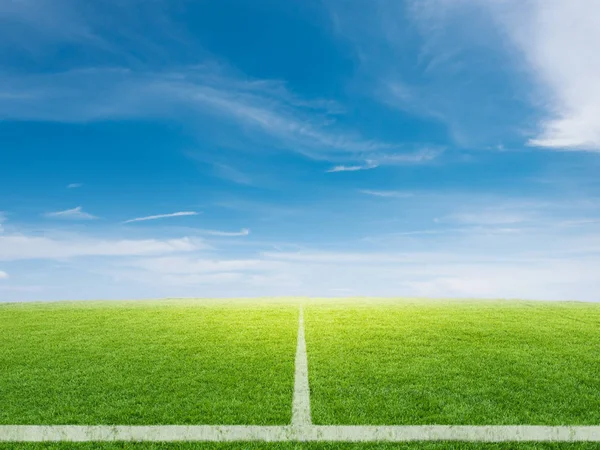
216, 433
454, 433
301, 401
213, 433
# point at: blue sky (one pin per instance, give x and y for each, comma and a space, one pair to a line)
429, 148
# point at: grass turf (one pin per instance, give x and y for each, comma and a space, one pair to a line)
160, 362
303, 446
454, 362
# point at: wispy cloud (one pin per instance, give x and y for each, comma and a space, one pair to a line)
22, 246
341, 168
511, 213
71, 214
580, 222
192, 265
437, 59
242, 232
231, 173
34, 22
36, 27
417, 157
192, 95
387, 194
163, 216
74, 185
488, 217
3, 275
265, 111
22, 288
377, 159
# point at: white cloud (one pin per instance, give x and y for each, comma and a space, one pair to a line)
20, 247
242, 232
556, 46
3, 275
477, 264
74, 185
544, 262
163, 216
71, 214
559, 43
239, 276
387, 194
342, 168
562, 48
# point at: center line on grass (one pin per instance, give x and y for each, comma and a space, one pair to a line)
301, 402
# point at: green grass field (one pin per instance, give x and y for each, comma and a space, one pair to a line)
454, 362
172, 362
373, 362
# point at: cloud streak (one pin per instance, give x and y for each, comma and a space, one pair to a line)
242, 232
162, 216
22, 247
378, 159
342, 168
386, 194
71, 214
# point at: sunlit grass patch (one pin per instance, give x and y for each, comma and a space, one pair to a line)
454, 362
169, 362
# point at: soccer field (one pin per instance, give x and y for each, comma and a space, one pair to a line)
301, 370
